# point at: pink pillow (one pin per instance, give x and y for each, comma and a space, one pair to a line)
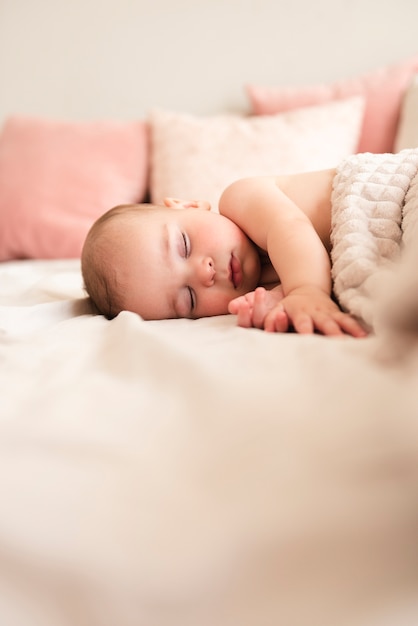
383, 90
57, 177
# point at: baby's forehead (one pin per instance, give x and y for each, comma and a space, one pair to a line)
138, 216
148, 213
135, 222
131, 224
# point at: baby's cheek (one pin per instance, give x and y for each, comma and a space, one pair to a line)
214, 303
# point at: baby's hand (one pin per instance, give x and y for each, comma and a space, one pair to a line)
306, 310
310, 309
254, 307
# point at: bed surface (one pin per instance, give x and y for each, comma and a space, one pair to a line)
187, 471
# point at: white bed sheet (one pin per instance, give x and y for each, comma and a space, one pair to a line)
191, 472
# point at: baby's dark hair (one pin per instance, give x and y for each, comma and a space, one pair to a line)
100, 277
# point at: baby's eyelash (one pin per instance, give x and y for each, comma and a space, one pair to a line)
186, 245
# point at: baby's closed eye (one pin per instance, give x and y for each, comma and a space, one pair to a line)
186, 245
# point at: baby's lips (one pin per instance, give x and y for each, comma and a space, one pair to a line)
236, 271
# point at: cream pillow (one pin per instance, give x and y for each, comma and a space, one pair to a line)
197, 157
407, 136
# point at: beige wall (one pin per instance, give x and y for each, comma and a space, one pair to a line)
119, 58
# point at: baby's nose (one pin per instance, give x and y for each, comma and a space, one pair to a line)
206, 272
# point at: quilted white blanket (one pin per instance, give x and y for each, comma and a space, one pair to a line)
374, 224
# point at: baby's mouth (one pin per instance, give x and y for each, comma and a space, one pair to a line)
235, 271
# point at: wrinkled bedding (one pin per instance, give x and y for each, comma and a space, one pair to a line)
192, 473
374, 224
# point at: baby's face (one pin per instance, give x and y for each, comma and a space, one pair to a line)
181, 263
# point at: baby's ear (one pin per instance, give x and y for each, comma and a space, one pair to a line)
176, 203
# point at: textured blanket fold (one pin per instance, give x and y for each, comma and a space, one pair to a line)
374, 221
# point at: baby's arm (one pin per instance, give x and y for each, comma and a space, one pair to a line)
276, 224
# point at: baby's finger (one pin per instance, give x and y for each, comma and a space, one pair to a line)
244, 315
338, 324
234, 305
276, 321
329, 326
259, 307
351, 326
303, 324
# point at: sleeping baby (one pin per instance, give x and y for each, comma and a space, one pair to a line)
264, 257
